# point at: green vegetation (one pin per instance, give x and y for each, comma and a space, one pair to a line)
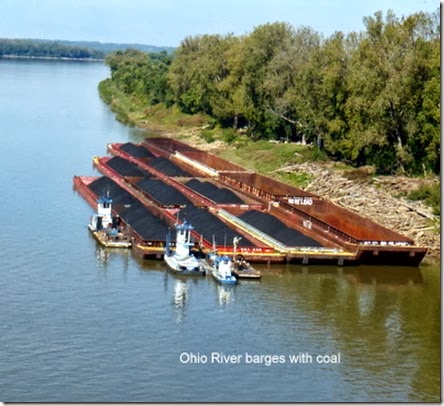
266, 157
120, 103
141, 75
131, 110
369, 98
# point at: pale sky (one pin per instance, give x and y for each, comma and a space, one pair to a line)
168, 22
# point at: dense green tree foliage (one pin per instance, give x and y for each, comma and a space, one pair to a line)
198, 67
369, 98
393, 71
141, 74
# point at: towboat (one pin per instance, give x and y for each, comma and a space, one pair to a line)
106, 228
181, 261
221, 270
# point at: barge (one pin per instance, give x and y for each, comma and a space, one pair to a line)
168, 182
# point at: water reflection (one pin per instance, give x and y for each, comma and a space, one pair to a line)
362, 274
225, 294
180, 290
104, 257
366, 302
387, 275
151, 265
180, 298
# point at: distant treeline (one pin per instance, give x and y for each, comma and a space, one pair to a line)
40, 48
46, 49
370, 98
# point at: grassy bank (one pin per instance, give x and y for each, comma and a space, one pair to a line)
267, 158
134, 111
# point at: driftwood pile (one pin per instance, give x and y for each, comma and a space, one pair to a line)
379, 198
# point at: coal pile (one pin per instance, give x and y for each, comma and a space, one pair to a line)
125, 168
105, 186
133, 213
137, 151
146, 224
216, 194
163, 193
208, 225
167, 167
275, 228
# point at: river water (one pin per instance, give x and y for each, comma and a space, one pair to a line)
82, 324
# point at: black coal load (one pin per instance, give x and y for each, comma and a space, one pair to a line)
146, 224
133, 213
208, 225
167, 167
163, 193
275, 228
105, 186
216, 194
137, 151
126, 168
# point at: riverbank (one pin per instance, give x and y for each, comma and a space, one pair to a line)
383, 199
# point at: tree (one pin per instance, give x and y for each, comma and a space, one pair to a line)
368, 98
140, 74
333, 68
196, 71
388, 75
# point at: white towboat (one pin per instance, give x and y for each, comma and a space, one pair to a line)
181, 261
221, 270
106, 228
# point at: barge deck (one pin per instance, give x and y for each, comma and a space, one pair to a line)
171, 180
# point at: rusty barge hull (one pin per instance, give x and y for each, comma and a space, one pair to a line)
333, 226
265, 249
148, 245
171, 181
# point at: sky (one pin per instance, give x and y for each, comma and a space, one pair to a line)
168, 22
